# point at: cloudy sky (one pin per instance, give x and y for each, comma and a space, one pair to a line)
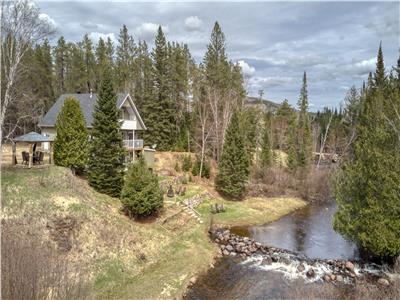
274, 42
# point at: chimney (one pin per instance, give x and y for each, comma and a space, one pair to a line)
91, 94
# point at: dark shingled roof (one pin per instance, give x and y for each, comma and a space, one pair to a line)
87, 105
33, 137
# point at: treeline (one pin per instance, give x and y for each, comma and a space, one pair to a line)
165, 82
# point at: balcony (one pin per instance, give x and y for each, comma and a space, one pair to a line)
133, 144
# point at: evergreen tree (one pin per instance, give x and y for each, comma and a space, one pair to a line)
143, 93
76, 71
90, 63
233, 167
380, 77
266, 146
125, 55
106, 149
161, 113
71, 143
367, 187
141, 195
102, 61
60, 60
304, 138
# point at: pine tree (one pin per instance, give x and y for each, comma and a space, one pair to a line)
90, 63
125, 55
367, 188
143, 77
60, 59
75, 69
106, 149
161, 113
304, 138
102, 62
71, 143
141, 195
233, 167
266, 146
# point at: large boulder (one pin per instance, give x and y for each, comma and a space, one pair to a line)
349, 266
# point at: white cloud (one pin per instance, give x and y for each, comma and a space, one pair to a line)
361, 67
271, 81
48, 19
193, 23
94, 36
148, 31
248, 71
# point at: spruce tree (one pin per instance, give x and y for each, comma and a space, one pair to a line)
233, 167
292, 149
106, 149
141, 195
367, 187
71, 143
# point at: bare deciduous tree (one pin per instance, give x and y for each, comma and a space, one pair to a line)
22, 26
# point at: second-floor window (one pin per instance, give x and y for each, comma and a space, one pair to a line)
125, 114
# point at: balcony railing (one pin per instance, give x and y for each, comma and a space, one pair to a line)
133, 144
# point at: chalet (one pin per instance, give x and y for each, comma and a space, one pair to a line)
129, 116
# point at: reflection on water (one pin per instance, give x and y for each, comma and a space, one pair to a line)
308, 231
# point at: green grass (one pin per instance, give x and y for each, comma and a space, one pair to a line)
251, 211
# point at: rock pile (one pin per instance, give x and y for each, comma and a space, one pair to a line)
335, 271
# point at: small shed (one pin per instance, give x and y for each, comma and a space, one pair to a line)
32, 138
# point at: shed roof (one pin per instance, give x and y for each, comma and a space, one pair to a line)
33, 137
87, 103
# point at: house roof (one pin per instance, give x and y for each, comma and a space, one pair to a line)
87, 103
33, 137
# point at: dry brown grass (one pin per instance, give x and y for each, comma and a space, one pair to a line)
276, 181
32, 268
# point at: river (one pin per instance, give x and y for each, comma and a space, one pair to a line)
307, 231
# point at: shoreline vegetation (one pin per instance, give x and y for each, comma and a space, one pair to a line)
117, 256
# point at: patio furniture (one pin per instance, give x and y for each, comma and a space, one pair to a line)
25, 158
32, 157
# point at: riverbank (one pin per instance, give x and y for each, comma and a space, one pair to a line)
117, 257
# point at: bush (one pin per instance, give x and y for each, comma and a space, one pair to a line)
141, 195
205, 171
176, 167
186, 163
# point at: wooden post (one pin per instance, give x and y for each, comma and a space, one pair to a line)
51, 153
30, 156
14, 154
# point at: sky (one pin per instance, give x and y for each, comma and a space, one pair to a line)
275, 42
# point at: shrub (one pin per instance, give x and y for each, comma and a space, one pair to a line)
186, 163
141, 195
205, 171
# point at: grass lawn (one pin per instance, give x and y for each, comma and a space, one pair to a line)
124, 258
251, 211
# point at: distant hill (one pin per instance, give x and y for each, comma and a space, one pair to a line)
265, 105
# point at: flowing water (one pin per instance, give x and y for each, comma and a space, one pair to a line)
307, 231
